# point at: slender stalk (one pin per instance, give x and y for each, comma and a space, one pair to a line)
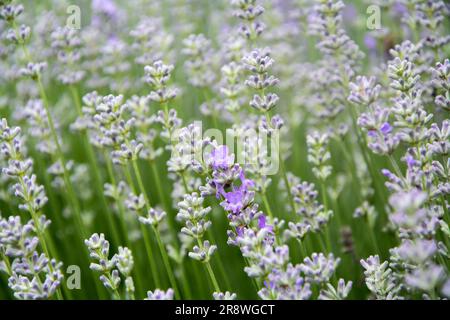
186, 286
287, 185
159, 189
67, 183
362, 146
212, 276
121, 210
137, 174
119, 204
219, 261
397, 170
146, 236
374, 240
35, 217
95, 170
60, 155
325, 204
323, 246
167, 263
69, 188
185, 185
302, 249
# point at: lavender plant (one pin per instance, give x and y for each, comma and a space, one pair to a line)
227, 149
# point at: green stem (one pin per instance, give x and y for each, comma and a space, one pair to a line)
186, 285
185, 185
219, 261
138, 176
157, 235
167, 263
7, 263
209, 269
119, 203
147, 242
212, 276
325, 205
60, 154
266, 204
159, 189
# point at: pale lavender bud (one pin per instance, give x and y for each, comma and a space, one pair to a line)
318, 268
160, 295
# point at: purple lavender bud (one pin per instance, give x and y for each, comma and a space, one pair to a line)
425, 278
386, 128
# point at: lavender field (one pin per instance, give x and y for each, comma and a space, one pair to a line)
224, 149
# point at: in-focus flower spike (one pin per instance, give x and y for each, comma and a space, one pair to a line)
125, 262
32, 275
193, 214
380, 279
17, 239
110, 269
33, 198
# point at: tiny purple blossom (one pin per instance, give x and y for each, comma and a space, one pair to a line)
240, 197
386, 128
